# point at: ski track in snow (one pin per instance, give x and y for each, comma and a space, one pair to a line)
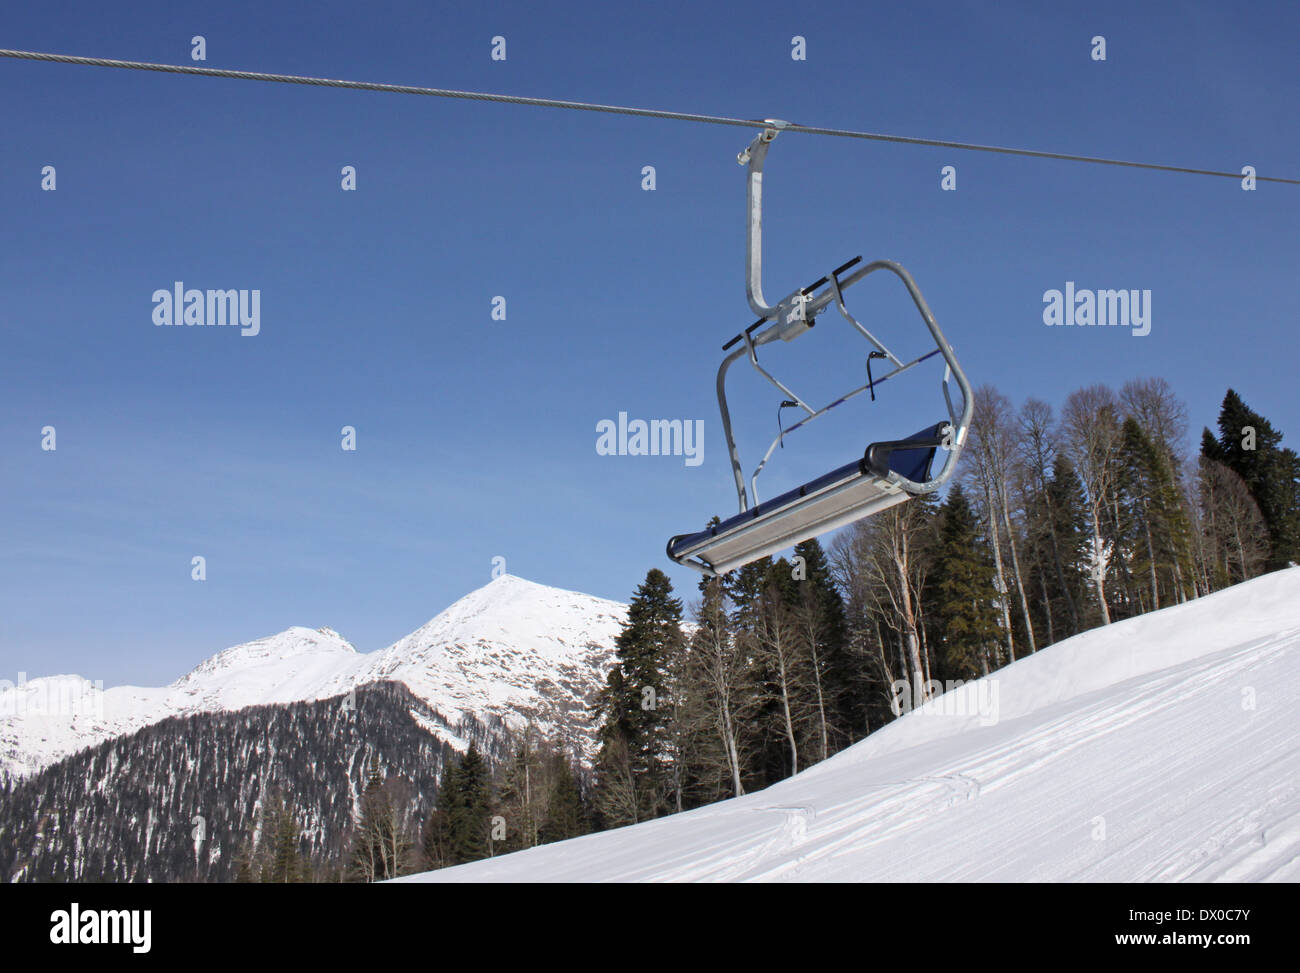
1140, 729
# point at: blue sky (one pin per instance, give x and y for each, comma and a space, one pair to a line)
476, 438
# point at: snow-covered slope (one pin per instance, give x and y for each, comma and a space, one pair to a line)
512, 649
1163, 748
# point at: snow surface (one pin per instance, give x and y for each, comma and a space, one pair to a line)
513, 649
1162, 748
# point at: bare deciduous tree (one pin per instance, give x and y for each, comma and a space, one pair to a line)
1090, 430
994, 448
1038, 446
1162, 415
810, 623
718, 673
1235, 536
382, 840
883, 552
778, 648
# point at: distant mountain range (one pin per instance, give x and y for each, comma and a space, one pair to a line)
512, 650
164, 784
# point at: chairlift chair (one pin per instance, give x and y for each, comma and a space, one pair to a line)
889, 472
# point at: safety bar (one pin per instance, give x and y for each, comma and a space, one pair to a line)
833, 274
753, 478
805, 291
961, 422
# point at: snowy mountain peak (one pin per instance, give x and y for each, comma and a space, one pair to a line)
514, 649
292, 642
511, 608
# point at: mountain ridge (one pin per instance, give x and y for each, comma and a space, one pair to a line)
512, 649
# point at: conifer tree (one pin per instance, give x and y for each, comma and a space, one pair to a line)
632, 708
246, 870
1156, 526
1067, 519
469, 809
286, 862
743, 588
565, 813
1250, 446
962, 592
435, 836
277, 856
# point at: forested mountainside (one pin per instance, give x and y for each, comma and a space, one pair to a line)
180, 799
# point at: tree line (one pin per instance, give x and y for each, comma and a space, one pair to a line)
536, 792
1058, 523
